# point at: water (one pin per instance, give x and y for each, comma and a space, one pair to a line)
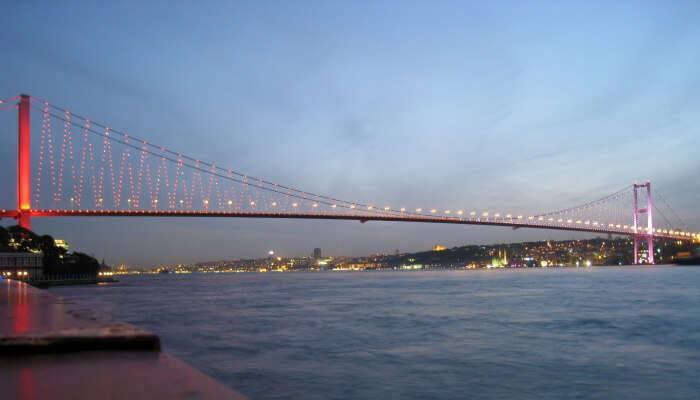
589, 333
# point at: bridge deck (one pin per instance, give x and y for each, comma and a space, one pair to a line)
512, 223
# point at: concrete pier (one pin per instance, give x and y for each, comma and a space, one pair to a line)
53, 348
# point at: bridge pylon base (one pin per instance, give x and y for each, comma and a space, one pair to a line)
24, 220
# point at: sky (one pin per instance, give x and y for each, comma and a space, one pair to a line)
491, 105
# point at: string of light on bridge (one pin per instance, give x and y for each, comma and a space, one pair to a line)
89, 168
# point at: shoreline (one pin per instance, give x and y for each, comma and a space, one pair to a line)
51, 346
446, 269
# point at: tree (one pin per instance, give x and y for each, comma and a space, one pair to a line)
26, 239
4, 238
53, 255
85, 264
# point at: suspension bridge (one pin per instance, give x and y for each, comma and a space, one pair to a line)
76, 166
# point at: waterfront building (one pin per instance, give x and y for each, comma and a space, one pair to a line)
20, 265
501, 260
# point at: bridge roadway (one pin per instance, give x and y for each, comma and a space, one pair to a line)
515, 224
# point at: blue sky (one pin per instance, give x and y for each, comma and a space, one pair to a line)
494, 105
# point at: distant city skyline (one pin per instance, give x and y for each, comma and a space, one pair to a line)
437, 105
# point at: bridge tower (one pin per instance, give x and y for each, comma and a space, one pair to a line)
24, 167
649, 234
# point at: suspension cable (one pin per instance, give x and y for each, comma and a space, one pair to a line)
180, 155
587, 205
670, 225
663, 199
258, 183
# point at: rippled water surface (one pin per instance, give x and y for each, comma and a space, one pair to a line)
589, 333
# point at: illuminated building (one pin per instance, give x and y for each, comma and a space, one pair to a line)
61, 243
501, 260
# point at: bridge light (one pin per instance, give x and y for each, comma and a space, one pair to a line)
496, 215
473, 213
334, 206
624, 226
447, 211
550, 219
230, 202
252, 203
568, 221
433, 211
560, 220
403, 209
387, 208
509, 216
460, 212
352, 206
578, 221
520, 217
369, 207
181, 201
419, 210
314, 205
485, 214
587, 222
274, 204
540, 218
531, 217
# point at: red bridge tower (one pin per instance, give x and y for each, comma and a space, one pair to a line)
24, 166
